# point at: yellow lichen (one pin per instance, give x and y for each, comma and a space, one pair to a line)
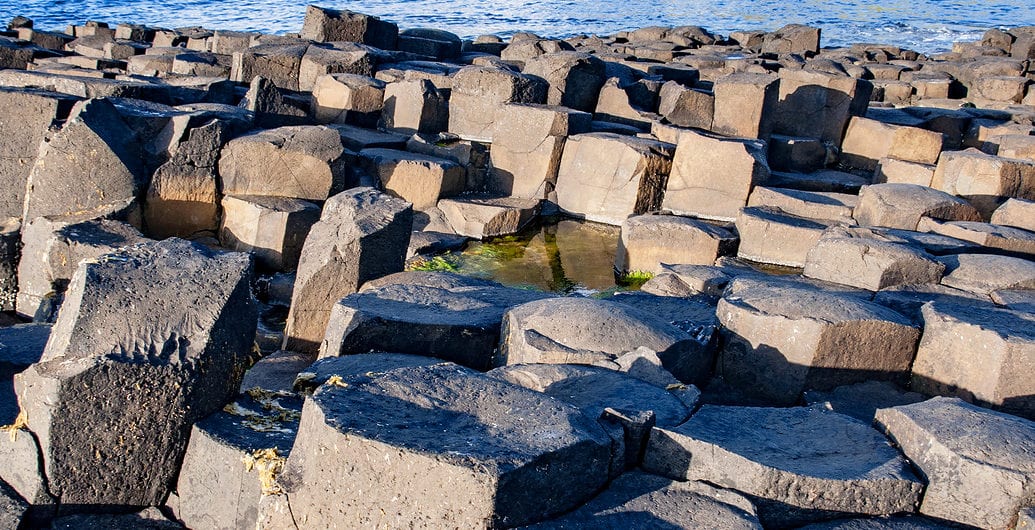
21, 422
336, 380
675, 386
269, 464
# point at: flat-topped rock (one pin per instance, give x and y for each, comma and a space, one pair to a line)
467, 461
481, 217
823, 180
1019, 213
809, 204
985, 180
683, 280
861, 400
909, 299
588, 331
1005, 238
273, 229
869, 263
329, 25
479, 91
642, 500
970, 272
978, 353
866, 141
978, 463
769, 235
903, 205
797, 465
649, 241
419, 179
783, 339
424, 313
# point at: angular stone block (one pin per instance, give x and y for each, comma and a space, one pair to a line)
413, 107
627, 105
783, 339
712, 176
1006, 238
347, 98
21, 345
1020, 146
435, 43
892, 171
795, 153
52, 248
527, 147
978, 463
745, 105
95, 137
818, 104
1019, 213
132, 362
436, 314
986, 181
867, 141
971, 272
466, 462
797, 465
809, 204
574, 78
903, 205
792, 38
649, 241
13, 508
862, 400
273, 229
978, 353
362, 234
479, 91
768, 235
273, 107
329, 25
825, 180
686, 107
588, 331
484, 217
304, 162
606, 177
868, 263
334, 58
279, 63
418, 179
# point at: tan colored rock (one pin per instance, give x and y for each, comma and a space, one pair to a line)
606, 177
1018, 213
418, 179
792, 38
903, 205
482, 217
810, 204
1021, 146
712, 176
649, 241
824, 180
1007, 89
890, 170
304, 162
794, 153
973, 272
869, 263
867, 141
818, 104
339, 97
1008, 238
979, 353
362, 234
330, 25
529, 141
686, 107
575, 78
782, 340
279, 63
745, 105
272, 229
984, 180
629, 104
768, 235
688, 280
334, 58
414, 107
479, 91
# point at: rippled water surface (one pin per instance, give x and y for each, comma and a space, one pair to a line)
923, 25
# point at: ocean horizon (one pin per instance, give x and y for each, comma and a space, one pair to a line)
927, 26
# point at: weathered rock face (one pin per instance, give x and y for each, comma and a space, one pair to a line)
338, 57
233, 459
861, 400
273, 229
414, 106
574, 78
712, 176
468, 461
648, 241
12, 506
796, 464
52, 248
329, 25
606, 177
21, 345
93, 137
641, 500
527, 146
869, 263
25, 117
890, 170
133, 361
903, 205
978, 353
1011, 240
479, 91
303, 162
1018, 213
430, 42
419, 179
362, 234
277, 62
792, 38
347, 98
978, 463
867, 141
809, 204
817, 104
782, 340
797, 153
588, 331
986, 181
745, 105
970, 272
424, 313
768, 235
686, 107
482, 217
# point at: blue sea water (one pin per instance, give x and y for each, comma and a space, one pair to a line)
923, 25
